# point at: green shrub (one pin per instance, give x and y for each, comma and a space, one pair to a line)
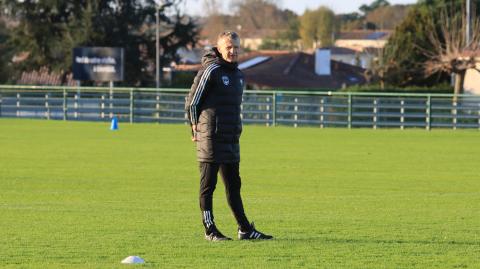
182, 79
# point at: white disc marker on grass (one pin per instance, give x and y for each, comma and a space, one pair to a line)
133, 260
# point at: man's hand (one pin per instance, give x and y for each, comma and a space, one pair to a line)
194, 131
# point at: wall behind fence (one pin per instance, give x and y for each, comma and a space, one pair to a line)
271, 108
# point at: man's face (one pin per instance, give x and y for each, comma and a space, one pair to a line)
229, 49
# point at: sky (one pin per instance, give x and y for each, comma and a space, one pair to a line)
194, 7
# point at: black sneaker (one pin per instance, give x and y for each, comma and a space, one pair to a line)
253, 234
213, 234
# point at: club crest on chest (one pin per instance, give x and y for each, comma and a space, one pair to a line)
226, 80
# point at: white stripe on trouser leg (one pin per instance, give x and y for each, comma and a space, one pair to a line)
209, 214
207, 218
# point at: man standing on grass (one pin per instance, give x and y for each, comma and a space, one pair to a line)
213, 107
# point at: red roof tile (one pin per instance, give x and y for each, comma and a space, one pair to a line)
297, 71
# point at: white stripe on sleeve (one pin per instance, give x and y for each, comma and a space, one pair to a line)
199, 92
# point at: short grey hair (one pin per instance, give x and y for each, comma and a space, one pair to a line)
230, 34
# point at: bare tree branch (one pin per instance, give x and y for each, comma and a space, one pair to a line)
449, 51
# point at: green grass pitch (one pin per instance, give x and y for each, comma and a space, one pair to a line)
77, 195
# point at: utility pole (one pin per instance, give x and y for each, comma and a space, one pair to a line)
157, 47
468, 30
157, 37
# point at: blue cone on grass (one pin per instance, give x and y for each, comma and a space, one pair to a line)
114, 125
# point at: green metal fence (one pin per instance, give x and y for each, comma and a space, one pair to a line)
271, 108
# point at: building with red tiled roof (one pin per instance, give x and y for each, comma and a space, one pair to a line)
297, 71
292, 70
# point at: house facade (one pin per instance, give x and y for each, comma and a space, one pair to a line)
471, 84
362, 39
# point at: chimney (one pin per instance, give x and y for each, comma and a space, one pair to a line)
322, 62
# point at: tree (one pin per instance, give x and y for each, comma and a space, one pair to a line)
214, 21
378, 15
350, 21
259, 14
46, 30
183, 33
374, 5
449, 51
291, 34
317, 27
251, 17
5, 53
378, 67
405, 51
387, 17
49, 30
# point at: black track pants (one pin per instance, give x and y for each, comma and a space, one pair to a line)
231, 178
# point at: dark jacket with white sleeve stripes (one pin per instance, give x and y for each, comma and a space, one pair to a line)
213, 104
